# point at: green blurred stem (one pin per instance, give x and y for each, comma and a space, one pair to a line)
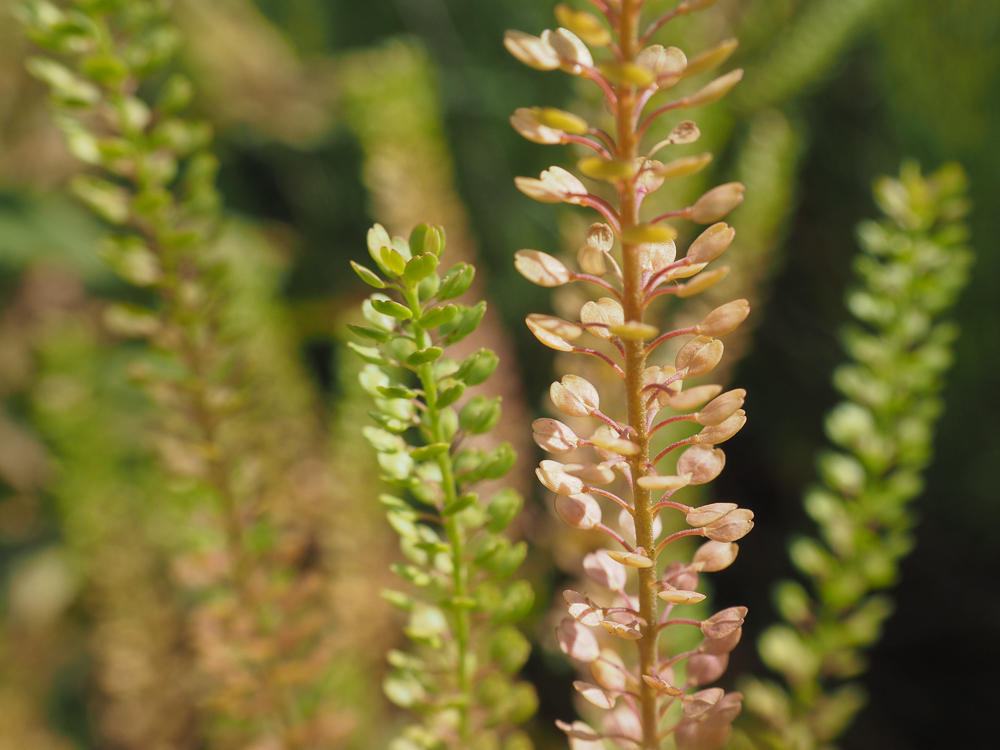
452, 526
635, 364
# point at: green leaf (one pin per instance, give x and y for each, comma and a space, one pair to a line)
419, 267
394, 309
368, 276
457, 281
438, 316
503, 508
424, 356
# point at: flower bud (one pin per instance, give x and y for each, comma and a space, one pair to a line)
585, 25
733, 526
601, 316
716, 89
721, 432
711, 243
662, 686
716, 556
696, 704
707, 514
526, 123
554, 477
724, 319
668, 62
699, 356
609, 671
531, 50
630, 559
692, 398
552, 436
703, 669
711, 58
607, 439
540, 268
555, 185
717, 202
603, 571
704, 282
573, 53
665, 482
681, 596
684, 166
593, 694
579, 511
722, 408
654, 256
575, 397
628, 632
576, 641
582, 609
724, 623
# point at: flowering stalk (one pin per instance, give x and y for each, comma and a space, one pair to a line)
912, 270
256, 628
653, 705
461, 680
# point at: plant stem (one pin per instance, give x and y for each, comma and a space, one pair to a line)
635, 363
453, 528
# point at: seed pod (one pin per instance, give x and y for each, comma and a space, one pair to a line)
576, 641
717, 202
654, 256
720, 646
721, 432
733, 526
724, 319
593, 474
628, 632
662, 686
575, 397
658, 376
604, 571
684, 133
642, 233
629, 559
601, 236
724, 623
607, 440
541, 268
626, 524
555, 478
699, 356
716, 89
526, 123
711, 243
715, 556
585, 25
663, 62
573, 53
552, 436
685, 166
609, 671
722, 408
593, 694
561, 120
696, 704
707, 514
633, 330
579, 511
666, 482
531, 50
623, 722
601, 316
554, 332
692, 398
711, 58
555, 185
681, 596
582, 609
703, 669
580, 731
591, 260
693, 734
681, 576
702, 283
724, 713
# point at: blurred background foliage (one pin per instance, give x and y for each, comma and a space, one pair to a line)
332, 114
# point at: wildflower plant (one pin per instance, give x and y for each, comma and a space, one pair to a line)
256, 622
663, 694
461, 676
912, 269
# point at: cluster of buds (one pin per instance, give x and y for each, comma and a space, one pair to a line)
657, 695
462, 679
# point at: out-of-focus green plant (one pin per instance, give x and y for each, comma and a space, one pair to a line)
460, 678
913, 268
653, 701
250, 550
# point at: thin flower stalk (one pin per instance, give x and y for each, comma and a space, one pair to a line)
461, 615
656, 701
911, 272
